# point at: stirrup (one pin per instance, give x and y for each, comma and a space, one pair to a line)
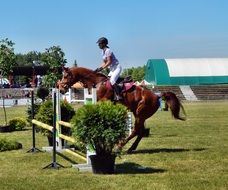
118, 98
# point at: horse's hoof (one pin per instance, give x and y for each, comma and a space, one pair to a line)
129, 151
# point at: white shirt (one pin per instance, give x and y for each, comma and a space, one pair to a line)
107, 53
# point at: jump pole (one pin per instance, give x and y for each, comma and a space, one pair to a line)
89, 98
33, 149
54, 164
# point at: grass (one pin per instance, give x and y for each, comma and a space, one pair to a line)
177, 155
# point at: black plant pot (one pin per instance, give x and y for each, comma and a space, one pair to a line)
50, 140
5, 129
103, 164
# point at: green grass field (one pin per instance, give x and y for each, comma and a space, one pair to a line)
177, 155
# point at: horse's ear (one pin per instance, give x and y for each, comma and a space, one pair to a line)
65, 69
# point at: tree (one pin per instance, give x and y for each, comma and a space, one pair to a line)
28, 58
75, 63
137, 73
54, 58
7, 57
7, 61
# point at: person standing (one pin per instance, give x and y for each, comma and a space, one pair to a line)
109, 60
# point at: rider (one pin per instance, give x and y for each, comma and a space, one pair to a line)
109, 60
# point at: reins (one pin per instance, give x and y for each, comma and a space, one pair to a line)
90, 74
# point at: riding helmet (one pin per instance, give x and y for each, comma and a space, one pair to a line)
102, 40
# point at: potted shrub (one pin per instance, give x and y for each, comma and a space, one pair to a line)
42, 93
101, 126
18, 124
6, 144
45, 115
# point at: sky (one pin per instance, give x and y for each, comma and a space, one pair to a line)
137, 30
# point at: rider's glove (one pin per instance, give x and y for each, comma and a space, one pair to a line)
98, 70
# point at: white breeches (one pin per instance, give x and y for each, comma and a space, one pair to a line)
115, 73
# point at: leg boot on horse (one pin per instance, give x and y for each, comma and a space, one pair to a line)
117, 92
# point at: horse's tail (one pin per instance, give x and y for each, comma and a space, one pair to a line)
174, 104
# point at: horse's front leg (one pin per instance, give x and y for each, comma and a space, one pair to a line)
125, 141
138, 130
135, 144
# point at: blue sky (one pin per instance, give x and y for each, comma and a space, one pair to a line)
137, 29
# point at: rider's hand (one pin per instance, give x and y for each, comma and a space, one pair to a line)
98, 70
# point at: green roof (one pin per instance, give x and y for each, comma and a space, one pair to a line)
187, 71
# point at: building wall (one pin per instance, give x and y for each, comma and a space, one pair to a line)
187, 71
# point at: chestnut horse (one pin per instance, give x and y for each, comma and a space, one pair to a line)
142, 102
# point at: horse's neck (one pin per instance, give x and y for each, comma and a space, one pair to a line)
87, 76
101, 78
94, 80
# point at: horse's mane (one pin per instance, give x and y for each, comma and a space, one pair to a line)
101, 75
86, 70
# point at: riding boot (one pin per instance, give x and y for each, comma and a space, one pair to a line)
117, 92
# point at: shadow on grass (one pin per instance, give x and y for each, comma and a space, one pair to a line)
133, 168
26, 129
66, 158
166, 150
7, 129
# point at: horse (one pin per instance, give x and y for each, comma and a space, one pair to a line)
142, 102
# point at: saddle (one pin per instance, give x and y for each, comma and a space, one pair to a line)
122, 80
124, 83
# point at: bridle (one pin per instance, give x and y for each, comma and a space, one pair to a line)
70, 80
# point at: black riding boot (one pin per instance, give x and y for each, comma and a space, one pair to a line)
117, 92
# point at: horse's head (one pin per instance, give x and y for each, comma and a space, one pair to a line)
66, 82
87, 77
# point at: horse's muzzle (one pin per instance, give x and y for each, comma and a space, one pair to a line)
63, 88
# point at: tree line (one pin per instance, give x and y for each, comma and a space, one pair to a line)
52, 57
136, 73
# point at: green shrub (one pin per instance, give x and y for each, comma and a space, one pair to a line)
67, 111
45, 113
17, 124
9, 145
101, 126
42, 92
29, 111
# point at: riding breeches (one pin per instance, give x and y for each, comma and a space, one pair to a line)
114, 74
